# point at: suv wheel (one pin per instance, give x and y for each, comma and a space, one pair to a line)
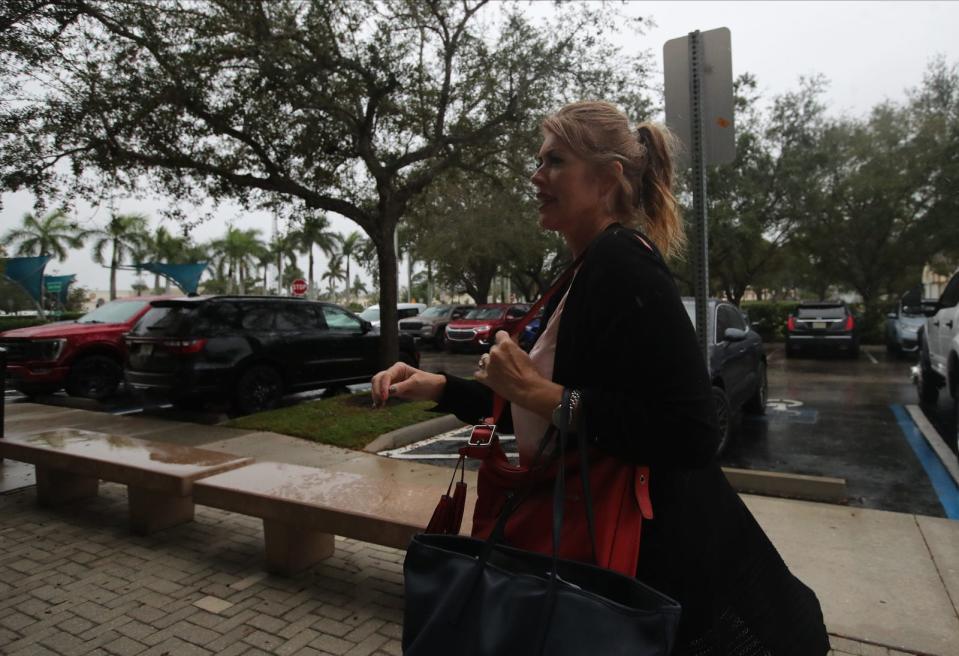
757, 404
258, 389
94, 377
955, 414
724, 418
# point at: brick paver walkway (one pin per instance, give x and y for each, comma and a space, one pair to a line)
76, 581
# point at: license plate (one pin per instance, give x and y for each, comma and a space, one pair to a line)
146, 349
819, 325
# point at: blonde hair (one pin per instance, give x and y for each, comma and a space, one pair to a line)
599, 133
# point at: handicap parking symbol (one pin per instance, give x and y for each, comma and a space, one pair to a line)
791, 411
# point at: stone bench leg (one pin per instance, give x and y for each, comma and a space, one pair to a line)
56, 486
152, 511
290, 549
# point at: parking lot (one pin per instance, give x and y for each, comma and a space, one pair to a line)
836, 417
826, 416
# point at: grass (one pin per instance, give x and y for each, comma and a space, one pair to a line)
346, 421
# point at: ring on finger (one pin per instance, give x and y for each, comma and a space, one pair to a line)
484, 359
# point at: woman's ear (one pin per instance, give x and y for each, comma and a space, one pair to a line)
611, 177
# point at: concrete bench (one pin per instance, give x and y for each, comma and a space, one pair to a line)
374, 500
159, 477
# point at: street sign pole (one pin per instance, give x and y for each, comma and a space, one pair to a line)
698, 157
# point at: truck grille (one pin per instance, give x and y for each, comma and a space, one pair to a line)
461, 335
411, 326
23, 351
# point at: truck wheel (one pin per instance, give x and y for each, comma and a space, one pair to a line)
955, 414
258, 389
94, 377
724, 418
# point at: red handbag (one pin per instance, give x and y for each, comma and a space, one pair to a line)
619, 492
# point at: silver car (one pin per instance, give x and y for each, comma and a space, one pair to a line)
430, 325
902, 326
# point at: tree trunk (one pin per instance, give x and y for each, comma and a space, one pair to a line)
113, 273
346, 290
312, 292
389, 278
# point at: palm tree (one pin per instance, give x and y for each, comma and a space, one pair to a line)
349, 248
315, 232
53, 234
334, 272
165, 247
125, 234
281, 249
238, 252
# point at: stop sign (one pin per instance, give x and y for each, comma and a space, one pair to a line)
299, 287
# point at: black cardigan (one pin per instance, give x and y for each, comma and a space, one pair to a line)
626, 341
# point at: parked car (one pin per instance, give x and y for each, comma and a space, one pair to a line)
939, 351
822, 326
430, 325
478, 328
403, 310
737, 365
249, 351
903, 324
84, 356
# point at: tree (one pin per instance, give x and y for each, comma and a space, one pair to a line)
334, 273
165, 247
52, 234
124, 235
236, 256
345, 106
758, 203
314, 231
282, 249
349, 247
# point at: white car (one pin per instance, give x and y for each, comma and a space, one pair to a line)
404, 310
939, 350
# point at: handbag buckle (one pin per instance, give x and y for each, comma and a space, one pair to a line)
484, 430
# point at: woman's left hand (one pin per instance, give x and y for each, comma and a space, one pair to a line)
508, 370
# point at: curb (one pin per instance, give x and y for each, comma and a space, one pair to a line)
790, 486
409, 434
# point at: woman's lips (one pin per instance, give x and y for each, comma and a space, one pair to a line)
544, 200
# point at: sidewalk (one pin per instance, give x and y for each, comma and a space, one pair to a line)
80, 583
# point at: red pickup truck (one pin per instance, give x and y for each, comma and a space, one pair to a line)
84, 356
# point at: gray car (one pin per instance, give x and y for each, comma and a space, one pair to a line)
430, 325
902, 325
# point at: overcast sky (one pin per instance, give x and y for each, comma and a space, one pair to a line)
870, 52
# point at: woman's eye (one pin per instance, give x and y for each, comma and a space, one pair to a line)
553, 159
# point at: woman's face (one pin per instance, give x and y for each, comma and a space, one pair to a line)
570, 195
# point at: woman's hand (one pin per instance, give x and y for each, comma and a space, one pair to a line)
509, 372
406, 382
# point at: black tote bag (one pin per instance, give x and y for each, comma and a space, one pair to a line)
481, 598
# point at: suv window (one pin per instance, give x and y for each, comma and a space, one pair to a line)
293, 317
257, 317
950, 297
164, 321
217, 319
516, 313
338, 319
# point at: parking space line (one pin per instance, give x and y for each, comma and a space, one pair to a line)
870, 356
935, 441
946, 489
437, 456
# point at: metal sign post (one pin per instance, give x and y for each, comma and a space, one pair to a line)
699, 110
698, 160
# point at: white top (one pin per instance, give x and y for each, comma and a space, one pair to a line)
529, 427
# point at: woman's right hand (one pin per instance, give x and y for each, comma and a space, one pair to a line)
406, 382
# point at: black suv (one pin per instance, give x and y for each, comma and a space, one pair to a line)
249, 351
822, 325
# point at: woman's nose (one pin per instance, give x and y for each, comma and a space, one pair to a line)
538, 178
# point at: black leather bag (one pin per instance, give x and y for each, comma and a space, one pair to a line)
482, 598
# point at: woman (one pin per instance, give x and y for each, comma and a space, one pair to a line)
620, 338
